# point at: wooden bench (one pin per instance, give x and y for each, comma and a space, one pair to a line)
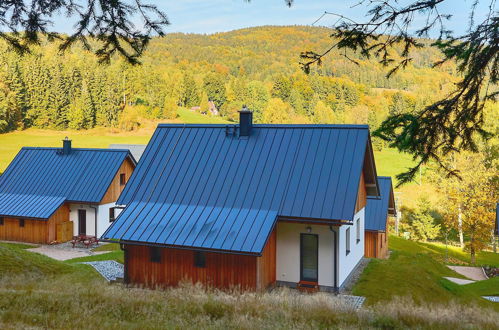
86, 240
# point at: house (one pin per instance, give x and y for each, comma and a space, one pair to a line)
247, 205
50, 194
377, 212
135, 149
497, 220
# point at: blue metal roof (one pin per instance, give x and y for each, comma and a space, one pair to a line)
83, 175
377, 209
29, 206
198, 187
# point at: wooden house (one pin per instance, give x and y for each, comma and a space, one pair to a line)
49, 195
378, 210
247, 205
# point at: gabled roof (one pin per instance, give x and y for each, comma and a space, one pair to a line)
201, 186
378, 209
38, 178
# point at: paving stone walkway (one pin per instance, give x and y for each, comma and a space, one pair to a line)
473, 273
109, 269
355, 301
459, 281
64, 251
492, 298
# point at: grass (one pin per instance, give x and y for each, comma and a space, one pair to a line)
191, 117
66, 295
114, 255
459, 256
415, 270
390, 162
107, 247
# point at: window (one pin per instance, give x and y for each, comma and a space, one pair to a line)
122, 179
199, 259
358, 231
21, 222
1, 221
111, 214
347, 241
155, 254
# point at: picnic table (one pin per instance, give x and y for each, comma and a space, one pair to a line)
86, 240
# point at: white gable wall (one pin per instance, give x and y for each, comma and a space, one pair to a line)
348, 262
102, 217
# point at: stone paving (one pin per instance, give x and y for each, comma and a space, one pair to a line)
492, 298
64, 251
459, 281
473, 273
355, 301
109, 269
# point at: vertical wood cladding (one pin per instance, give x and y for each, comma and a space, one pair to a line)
376, 244
115, 188
222, 270
361, 195
34, 231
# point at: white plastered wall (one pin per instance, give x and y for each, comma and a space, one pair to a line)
102, 217
288, 250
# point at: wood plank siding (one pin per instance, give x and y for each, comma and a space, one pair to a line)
222, 270
34, 231
115, 188
361, 195
376, 244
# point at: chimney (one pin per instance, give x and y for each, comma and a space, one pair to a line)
66, 146
245, 121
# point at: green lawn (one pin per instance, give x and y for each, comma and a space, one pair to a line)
191, 117
390, 162
415, 270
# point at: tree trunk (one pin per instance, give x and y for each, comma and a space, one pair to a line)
460, 228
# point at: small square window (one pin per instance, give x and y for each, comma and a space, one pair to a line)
111, 214
21, 222
358, 231
122, 179
1, 221
155, 254
199, 259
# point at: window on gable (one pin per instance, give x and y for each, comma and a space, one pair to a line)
1, 221
199, 259
21, 223
111, 214
155, 254
122, 179
358, 231
347, 241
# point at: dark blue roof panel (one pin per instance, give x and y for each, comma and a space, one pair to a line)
29, 206
377, 209
198, 187
84, 175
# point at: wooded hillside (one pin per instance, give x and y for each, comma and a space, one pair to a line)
258, 67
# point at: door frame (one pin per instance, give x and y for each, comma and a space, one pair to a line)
302, 279
80, 222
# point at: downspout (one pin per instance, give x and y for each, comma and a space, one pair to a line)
335, 263
95, 218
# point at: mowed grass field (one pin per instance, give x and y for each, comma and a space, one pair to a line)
389, 162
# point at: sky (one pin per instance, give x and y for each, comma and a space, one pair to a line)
191, 16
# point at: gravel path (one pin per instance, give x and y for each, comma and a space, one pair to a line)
109, 269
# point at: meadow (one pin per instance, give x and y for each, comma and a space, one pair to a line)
38, 292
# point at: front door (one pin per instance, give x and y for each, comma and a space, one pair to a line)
309, 257
82, 222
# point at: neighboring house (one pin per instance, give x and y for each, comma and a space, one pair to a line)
135, 149
247, 205
48, 195
377, 212
497, 220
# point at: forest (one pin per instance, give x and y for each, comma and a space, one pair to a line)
258, 67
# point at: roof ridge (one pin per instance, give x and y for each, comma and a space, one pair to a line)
337, 126
79, 149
